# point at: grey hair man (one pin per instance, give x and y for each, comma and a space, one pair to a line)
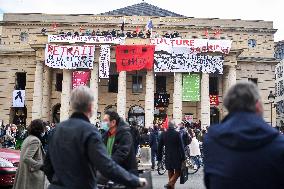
76, 150
243, 151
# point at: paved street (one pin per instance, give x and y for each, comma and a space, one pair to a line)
194, 181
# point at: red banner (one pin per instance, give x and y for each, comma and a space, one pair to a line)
80, 78
214, 100
134, 57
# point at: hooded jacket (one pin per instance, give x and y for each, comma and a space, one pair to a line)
243, 152
123, 152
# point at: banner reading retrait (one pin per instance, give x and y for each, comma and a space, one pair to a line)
69, 57
191, 87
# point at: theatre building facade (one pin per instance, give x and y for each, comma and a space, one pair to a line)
179, 67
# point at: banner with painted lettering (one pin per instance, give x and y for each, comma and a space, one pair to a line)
104, 62
80, 78
193, 46
177, 59
85, 39
191, 87
134, 57
19, 98
69, 57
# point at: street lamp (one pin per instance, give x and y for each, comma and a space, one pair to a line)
271, 98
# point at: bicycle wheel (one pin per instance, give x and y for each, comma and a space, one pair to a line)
192, 166
161, 168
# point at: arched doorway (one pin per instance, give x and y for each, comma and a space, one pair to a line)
214, 115
56, 113
136, 114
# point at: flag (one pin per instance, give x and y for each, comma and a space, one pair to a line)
149, 25
122, 26
206, 33
165, 125
54, 26
217, 33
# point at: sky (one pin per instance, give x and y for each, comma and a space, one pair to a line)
269, 10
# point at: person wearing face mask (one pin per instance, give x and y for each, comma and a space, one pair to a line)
29, 175
76, 151
119, 141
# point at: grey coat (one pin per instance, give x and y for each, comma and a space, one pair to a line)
29, 175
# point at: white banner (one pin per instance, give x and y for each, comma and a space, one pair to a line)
19, 98
85, 39
179, 61
193, 46
104, 62
69, 57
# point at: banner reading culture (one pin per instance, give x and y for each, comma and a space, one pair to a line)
69, 57
194, 46
85, 39
134, 57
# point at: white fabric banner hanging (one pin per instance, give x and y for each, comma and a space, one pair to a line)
194, 46
69, 57
85, 39
104, 62
19, 98
179, 60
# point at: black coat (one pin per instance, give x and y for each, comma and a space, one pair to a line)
174, 150
244, 152
123, 152
75, 152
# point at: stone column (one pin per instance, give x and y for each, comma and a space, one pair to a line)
177, 98
46, 93
205, 101
37, 96
149, 99
65, 95
95, 87
229, 79
121, 95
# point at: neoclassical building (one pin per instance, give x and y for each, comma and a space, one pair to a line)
133, 94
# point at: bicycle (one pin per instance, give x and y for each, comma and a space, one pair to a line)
193, 163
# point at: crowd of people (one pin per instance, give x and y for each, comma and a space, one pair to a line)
241, 152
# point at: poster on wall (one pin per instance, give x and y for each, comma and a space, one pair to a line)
191, 87
104, 62
193, 46
69, 57
19, 98
188, 118
134, 57
178, 60
80, 78
85, 39
214, 100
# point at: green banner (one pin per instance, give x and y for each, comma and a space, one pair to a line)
191, 87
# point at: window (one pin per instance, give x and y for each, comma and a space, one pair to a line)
20, 81
252, 43
213, 86
161, 84
254, 80
137, 86
113, 84
24, 36
58, 85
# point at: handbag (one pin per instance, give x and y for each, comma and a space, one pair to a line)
183, 174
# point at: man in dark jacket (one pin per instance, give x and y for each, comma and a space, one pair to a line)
154, 139
76, 150
119, 142
174, 154
243, 152
135, 135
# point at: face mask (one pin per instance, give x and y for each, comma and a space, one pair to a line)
104, 126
